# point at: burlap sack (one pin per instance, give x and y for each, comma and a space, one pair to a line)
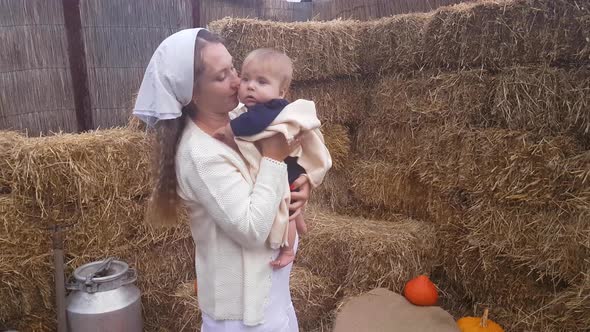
382, 310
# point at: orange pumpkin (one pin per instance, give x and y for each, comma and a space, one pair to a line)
421, 291
477, 324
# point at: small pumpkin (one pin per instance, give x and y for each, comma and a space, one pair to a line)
421, 291
477, 324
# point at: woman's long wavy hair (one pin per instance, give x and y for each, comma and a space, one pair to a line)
164, 204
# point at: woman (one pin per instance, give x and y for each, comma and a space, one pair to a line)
188, 91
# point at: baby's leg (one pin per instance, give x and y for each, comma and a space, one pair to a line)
287, 254
300, 224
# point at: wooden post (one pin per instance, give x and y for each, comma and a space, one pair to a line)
60, 284
77, 60
196, 13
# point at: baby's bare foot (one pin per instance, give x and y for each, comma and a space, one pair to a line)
286, 257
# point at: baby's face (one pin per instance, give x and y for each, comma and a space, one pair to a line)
258, 84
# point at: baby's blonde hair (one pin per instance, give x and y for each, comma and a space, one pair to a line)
276, 61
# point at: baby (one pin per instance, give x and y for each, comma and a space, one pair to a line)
265, 78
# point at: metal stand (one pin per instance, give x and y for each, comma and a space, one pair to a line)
58, 263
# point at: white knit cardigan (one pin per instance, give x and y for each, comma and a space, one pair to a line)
230, 220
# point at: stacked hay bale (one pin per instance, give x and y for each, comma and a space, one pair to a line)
96, 184
22, 268
497, 34
7, 140
361, 254
490, 142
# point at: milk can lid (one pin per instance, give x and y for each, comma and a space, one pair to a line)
101, 271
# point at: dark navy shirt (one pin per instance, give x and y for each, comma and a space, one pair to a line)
258, 117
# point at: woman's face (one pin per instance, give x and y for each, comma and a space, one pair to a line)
216, 90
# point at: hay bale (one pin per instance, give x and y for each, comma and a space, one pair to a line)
404, 104
338, 143
525, 196
113, 228
500, 33
569, 310
508, 166
394, 43
360, 254
163, 269
552, 244
545, 101
319, 50
547, 244
134, 123
487, 276
341, 101
313, 297
395, 188
187, 311
519, 303
565, 311
78, 168
8, 139
334, 193
521, 299
23, 268
514, 256
451, 296
432, 98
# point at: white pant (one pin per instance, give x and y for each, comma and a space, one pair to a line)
279, 314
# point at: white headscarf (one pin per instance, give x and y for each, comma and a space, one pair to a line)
167, 85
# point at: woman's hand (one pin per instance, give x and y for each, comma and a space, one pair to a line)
276, 147
299, 198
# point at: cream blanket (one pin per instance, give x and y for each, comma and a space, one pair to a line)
297, 117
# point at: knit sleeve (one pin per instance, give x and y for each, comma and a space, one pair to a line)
245, 212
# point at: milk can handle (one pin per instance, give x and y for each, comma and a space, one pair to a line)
105, 265
130, 277
92, 287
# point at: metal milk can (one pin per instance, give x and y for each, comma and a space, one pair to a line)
104, 298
